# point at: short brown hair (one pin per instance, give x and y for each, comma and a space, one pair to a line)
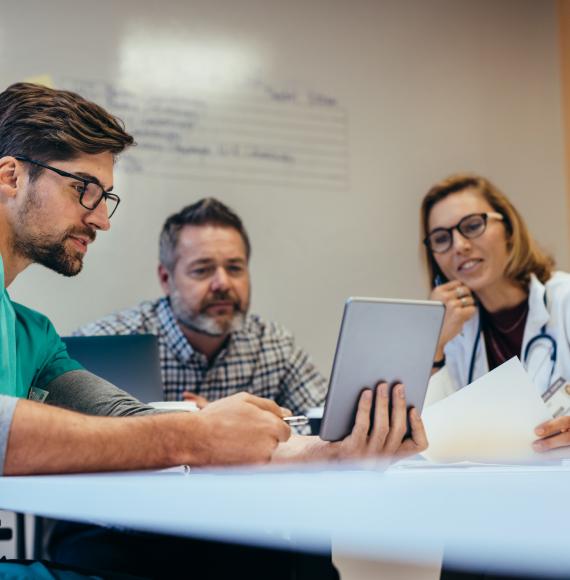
525, 257
206, 211
55, 125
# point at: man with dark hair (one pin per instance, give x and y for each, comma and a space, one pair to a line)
57, 152
210, 347
51, 208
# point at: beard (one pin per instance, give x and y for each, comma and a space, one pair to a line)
205, 323
45, 249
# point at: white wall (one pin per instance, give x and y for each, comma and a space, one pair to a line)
427, 88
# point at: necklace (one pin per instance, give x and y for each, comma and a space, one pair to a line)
503, 342
493, 320
516, 324
497, 352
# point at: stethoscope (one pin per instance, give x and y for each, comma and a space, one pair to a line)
542, 335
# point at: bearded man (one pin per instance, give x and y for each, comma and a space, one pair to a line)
210, 347
57, 154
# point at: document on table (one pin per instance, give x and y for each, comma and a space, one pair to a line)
490, 420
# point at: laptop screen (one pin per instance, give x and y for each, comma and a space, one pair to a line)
130, 362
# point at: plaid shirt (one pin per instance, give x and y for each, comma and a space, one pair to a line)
261, 359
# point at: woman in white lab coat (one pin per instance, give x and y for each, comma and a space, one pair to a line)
501, 295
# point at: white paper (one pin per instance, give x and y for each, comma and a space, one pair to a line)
174, 405
491, 420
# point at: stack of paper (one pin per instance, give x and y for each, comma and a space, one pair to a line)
491, 420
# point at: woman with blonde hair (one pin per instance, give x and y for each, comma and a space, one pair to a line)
501, 295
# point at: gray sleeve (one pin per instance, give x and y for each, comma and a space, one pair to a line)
7, 407
87, 393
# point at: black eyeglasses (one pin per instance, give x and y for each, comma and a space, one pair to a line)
90, 192
471, 226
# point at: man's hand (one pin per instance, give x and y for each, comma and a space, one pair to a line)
200, 401
385, 438
240, 429
553, 434
459, 308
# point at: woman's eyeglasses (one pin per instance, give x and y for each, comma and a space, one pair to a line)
471, 226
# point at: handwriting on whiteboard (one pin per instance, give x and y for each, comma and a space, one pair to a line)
258, 134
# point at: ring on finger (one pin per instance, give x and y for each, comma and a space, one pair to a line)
464, 302
459, 292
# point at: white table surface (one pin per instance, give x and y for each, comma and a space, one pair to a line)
506, 518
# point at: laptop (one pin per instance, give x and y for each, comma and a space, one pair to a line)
131, 362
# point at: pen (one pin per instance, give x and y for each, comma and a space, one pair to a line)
296, 421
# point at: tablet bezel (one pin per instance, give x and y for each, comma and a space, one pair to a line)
421, 316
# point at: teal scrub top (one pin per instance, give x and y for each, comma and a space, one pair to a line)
31, 352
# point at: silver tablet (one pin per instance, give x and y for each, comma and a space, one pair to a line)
390, 340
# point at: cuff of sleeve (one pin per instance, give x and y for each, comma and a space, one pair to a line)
438, 364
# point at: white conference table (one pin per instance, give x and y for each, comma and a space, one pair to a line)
503, 518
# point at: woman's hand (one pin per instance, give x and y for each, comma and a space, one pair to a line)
459, 308
553, 434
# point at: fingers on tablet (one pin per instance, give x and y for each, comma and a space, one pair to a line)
362, 423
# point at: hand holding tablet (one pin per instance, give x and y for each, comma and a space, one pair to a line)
386, 342
381, 425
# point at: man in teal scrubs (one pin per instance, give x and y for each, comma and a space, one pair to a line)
57, 152
40, 357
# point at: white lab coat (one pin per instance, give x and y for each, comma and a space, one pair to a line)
556, 316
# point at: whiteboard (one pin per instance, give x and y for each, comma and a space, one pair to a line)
321, 123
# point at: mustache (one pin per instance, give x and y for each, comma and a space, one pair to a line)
86, 232
222, 295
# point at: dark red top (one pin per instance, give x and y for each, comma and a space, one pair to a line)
503, 332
